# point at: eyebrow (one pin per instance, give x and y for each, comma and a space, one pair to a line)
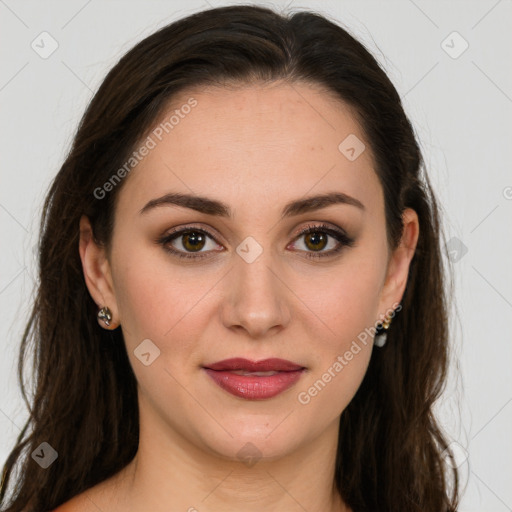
217, 208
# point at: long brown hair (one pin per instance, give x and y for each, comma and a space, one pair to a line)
391, 452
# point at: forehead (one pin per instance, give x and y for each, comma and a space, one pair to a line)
256, 143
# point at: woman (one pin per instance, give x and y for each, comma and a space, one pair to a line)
242, 303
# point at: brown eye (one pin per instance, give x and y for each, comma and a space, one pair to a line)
188, 243
316, 241
193, 240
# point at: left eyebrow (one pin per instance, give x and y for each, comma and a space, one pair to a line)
313, 203
217, 208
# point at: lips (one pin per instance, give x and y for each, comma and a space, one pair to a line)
254, 380
266, 365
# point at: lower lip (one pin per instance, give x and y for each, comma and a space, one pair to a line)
254, 387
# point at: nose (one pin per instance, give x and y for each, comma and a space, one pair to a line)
255, 298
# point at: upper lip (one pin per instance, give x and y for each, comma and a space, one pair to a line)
265, 365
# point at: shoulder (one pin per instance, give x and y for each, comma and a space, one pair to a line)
103, 496
79, 503
106, 495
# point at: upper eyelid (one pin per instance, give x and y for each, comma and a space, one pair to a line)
180, 230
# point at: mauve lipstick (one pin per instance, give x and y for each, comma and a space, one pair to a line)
254, 387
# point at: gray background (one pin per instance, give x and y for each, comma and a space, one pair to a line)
459, 102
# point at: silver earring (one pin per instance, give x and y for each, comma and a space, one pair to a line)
380, 339
105, 315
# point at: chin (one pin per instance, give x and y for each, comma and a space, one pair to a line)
251, 442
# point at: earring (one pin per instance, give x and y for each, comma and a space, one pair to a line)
381, 336
105, 315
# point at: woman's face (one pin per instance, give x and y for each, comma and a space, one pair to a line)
249, 285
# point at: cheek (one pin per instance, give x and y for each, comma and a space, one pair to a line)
159, 301
349, 309
142, 300
328, 392
351, 304
341, 358
150, 301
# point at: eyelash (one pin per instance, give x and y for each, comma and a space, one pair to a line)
343, 239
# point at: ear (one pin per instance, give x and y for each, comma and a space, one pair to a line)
399, 262
97, 273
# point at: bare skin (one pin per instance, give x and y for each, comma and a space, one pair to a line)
254, 148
